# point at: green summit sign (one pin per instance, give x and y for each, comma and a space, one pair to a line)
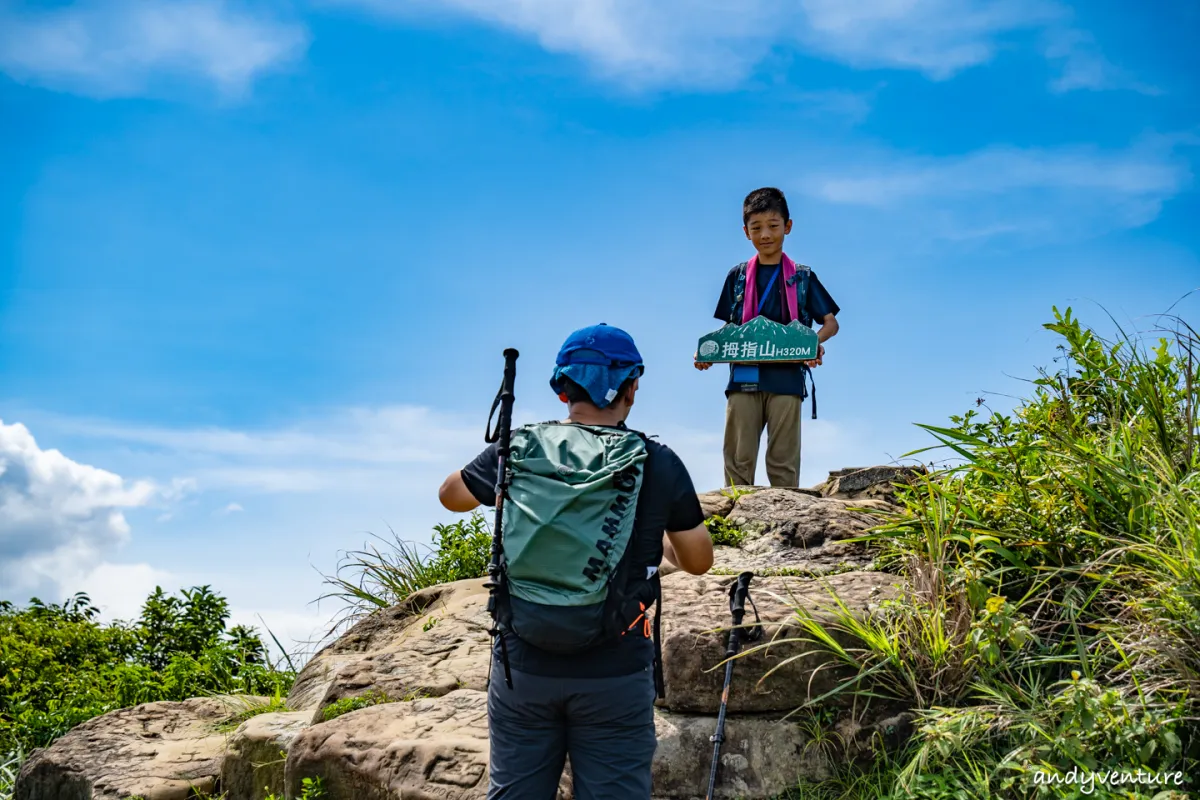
759, 340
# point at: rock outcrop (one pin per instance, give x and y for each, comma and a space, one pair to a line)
696, 608
159, 751
428, 657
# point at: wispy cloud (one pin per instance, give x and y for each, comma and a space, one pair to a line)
356, 448
1084, 67
122, 48
716, 43
1060, 193
935, 37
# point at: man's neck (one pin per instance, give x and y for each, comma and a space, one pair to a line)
584, 414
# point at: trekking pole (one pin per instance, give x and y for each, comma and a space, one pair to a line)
501, 435
739, 592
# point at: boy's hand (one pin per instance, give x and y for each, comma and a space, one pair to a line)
700, 365
820, 359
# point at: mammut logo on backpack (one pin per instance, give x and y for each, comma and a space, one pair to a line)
612, 526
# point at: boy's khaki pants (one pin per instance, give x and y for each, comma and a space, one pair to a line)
746, 414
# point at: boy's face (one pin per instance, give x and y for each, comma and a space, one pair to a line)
765, 231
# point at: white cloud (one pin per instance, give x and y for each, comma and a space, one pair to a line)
935, 37
718, 43
1059, 194
232, 508
360, 449
121, 48
56, 515
1085, 67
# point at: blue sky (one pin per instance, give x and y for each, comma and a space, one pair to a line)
258, 260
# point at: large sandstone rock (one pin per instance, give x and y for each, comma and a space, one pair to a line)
436, 749
425, 749
696, 609
402, 651
256, 753
159, 751
789, 530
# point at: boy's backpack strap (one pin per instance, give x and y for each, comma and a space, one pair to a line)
800, 281
739, 293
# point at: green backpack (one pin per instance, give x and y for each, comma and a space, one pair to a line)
571, 579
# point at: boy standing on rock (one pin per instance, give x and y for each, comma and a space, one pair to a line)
592, 509
769, 395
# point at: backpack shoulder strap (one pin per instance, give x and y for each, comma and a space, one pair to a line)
799, 285
739, 292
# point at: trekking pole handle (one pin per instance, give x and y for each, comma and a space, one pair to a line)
737, 607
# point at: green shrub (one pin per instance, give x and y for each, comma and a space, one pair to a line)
724, 532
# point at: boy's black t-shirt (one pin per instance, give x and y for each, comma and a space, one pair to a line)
667, 502
775, 378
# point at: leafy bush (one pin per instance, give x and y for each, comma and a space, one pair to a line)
1051, 620
724, 532
59, 666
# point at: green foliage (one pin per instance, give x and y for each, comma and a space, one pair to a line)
724, 532
734, 492
374, 578
797, 572
59, 666
310, 789
1050, 619
371, 697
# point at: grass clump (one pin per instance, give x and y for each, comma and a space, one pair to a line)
724, 532
1050, 621
276, 704
372, 697
373, 578
797, 572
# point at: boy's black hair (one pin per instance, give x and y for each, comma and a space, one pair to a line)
577, 394
763, 200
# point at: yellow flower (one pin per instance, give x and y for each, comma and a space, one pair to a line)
995, 604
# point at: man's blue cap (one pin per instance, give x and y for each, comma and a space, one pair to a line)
599, 358
599, 344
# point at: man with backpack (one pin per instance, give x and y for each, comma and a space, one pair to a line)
591, 510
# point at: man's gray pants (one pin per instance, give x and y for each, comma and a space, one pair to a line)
606, 726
